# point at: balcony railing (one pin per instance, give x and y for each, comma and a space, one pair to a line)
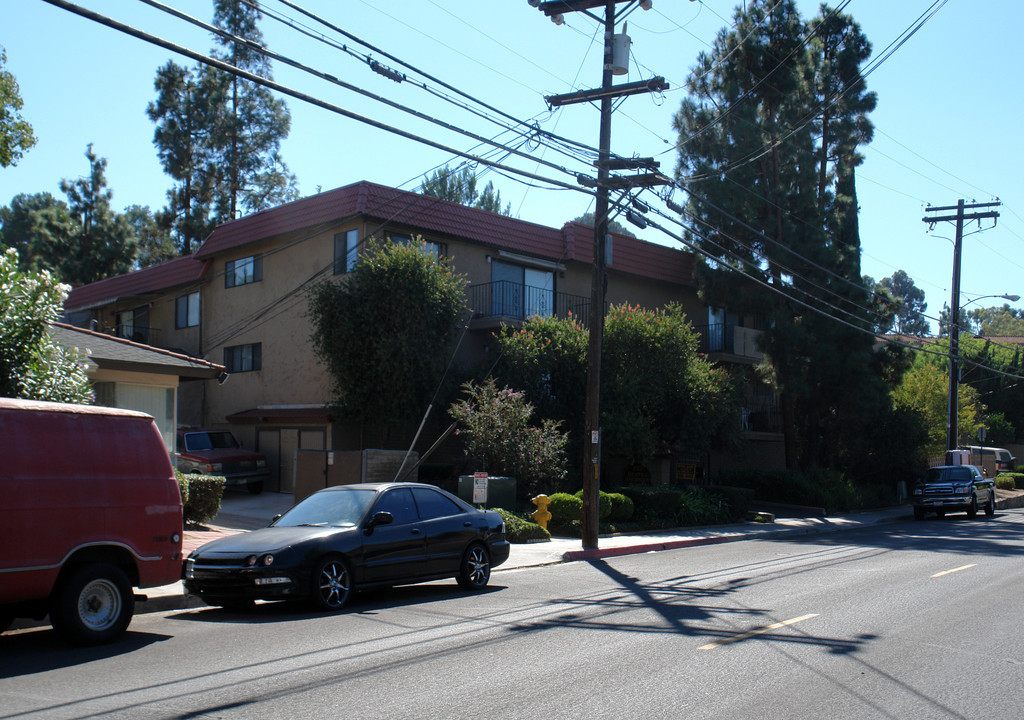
138, 333
730, 340
508, 300
761, 415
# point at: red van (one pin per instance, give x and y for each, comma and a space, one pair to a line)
90, 509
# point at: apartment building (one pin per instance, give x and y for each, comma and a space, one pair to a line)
240, 301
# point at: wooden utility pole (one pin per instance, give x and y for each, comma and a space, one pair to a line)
952, 435
599, 279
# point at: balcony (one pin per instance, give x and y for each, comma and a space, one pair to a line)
507, 302
138, 333
730, 342
761, 414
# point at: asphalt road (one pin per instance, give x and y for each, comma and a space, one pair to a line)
902, 620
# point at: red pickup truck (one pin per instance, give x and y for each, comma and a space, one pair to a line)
209, 451
91, 509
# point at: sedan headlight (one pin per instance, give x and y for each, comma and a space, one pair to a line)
214, 468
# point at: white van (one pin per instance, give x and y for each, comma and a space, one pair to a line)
992, 460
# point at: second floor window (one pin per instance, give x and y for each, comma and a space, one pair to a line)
428, 247
134, 324
243, 271
186, 311
243, 358
346, 251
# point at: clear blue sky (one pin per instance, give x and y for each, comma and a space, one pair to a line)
946, 124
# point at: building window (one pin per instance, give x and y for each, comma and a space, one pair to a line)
431, 249
243, 358
186, 311
346, 251
134, 324
244, 271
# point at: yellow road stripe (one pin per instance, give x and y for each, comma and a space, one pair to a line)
759, 631
947, 572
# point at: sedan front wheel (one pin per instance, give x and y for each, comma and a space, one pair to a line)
332, 584
475, 570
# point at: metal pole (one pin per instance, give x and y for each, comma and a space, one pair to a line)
592, 419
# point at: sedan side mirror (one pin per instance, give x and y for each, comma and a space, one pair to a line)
380, 518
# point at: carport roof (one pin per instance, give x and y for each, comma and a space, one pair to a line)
112, 353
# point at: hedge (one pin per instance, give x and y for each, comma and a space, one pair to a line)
200, 497
520, 530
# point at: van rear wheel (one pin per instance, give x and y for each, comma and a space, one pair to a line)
93, 605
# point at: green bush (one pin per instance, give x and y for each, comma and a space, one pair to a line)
200, 497
1007, 481
565, 508
622, 507
823, 488
604, 504
520, 530
1016, 477
699, 506
739, 498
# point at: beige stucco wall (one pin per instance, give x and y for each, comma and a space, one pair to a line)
271, 312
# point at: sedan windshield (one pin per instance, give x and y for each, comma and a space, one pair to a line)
334, 508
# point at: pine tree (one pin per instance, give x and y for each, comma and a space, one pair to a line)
768, 142
219, 136
459, 186
102, 244
185, 110
252, 122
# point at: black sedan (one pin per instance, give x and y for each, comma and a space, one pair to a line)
351, 537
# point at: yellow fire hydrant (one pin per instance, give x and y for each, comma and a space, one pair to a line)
541, 514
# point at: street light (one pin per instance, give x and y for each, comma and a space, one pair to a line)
952, 436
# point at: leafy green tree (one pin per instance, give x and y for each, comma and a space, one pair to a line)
16, 134
32, 364
385, 332
496, 427
1002, 321
909, 318
768, 139
925, 392
656, 390
102, 244
38, 227
459, 186
152, 241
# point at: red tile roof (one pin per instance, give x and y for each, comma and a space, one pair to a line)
402, 208
178, 272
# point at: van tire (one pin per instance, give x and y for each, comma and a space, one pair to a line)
93, 605
255, 488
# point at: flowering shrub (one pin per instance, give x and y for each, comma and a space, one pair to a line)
495, 426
